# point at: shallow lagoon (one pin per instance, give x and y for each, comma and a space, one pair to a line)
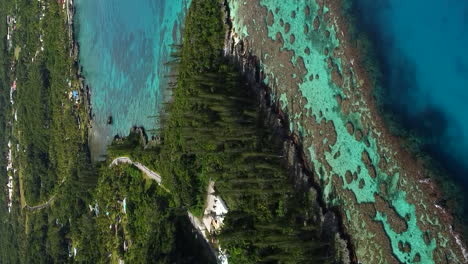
123, 48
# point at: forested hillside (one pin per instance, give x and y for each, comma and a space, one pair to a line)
8, 239
50, 167
55, 185
68, 210
214, 130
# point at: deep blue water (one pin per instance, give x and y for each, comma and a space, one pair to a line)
422, 50
123, 47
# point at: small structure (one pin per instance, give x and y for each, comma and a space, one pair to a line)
215, 211
9, 157
10, 193
11, 22
12, 90
72, 251
74, 96
222, 257
94, 209
124, 205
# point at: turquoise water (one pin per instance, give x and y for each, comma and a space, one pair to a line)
123, 47
320, 94
293, 21
422, 48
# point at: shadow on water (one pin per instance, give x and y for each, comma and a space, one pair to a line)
402, 101
98, 141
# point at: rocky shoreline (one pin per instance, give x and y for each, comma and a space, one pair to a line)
402, 181
94, 146
75, 54
300, 173
423, 192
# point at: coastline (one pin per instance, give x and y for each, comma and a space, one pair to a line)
430, 181
61, 128
408, 142
74, 53
420, 189
350, 54
140, 88
96, 144
300, 172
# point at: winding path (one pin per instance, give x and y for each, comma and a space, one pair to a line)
120, 160
125, 160
41, 206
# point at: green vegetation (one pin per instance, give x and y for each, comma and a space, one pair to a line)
54, 175
215, 131
56, 183
135, 213
45, 113
8, 238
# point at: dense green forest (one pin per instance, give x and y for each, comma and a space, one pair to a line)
8, 238
68, 210
214, 130
56, 183
53, 173
142, 217
45, 75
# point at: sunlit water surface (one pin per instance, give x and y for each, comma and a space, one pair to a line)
123, 47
